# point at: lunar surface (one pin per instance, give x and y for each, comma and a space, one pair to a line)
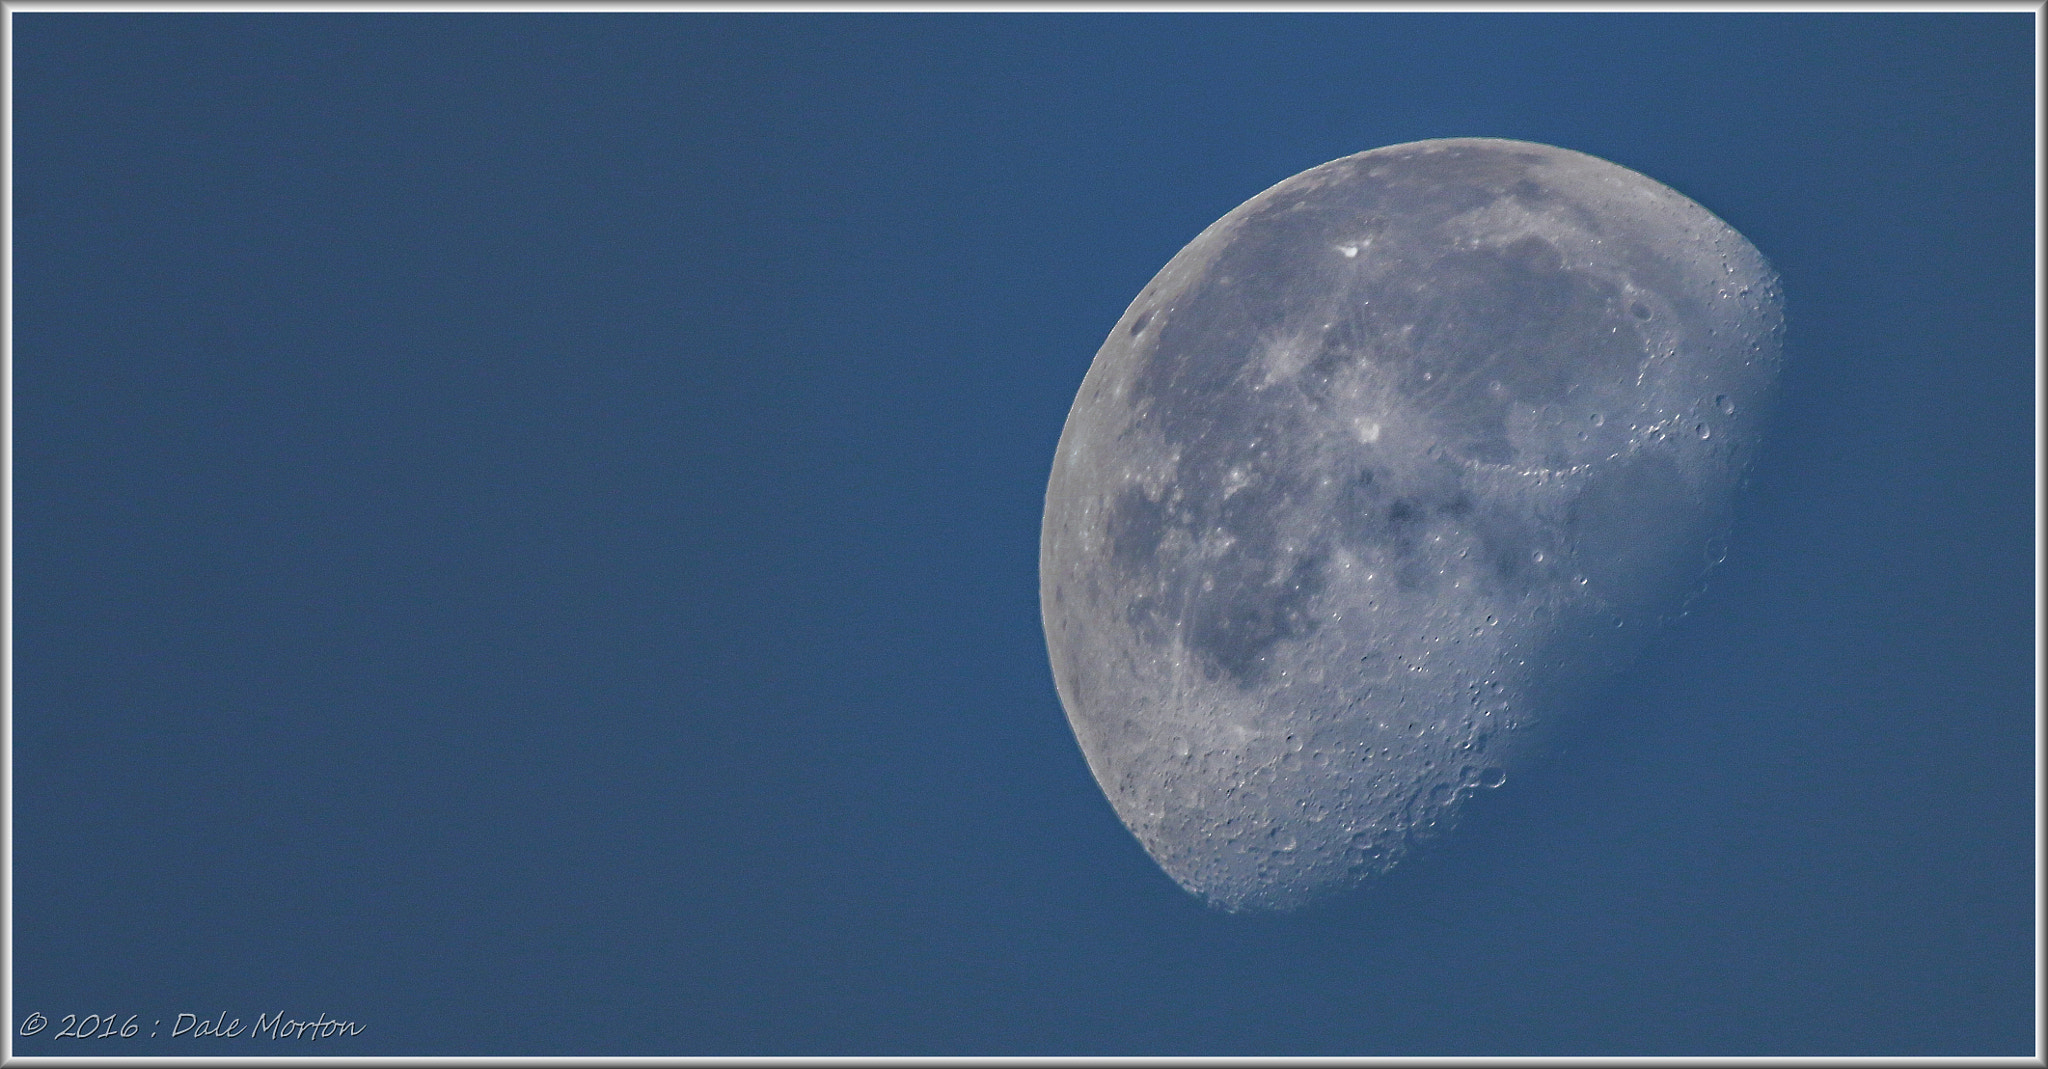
1373, 480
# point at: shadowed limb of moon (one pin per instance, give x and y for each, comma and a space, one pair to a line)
1372, 480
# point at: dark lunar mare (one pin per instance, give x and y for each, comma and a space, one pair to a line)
1488, 317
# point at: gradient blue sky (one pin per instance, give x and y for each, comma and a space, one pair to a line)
526, 532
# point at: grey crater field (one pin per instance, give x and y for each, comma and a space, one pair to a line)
1373, 481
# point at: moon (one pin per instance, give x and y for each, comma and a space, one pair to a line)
1373, 481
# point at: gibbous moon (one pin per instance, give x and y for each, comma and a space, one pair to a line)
1373, 480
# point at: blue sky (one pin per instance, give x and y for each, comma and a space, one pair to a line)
526, 528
